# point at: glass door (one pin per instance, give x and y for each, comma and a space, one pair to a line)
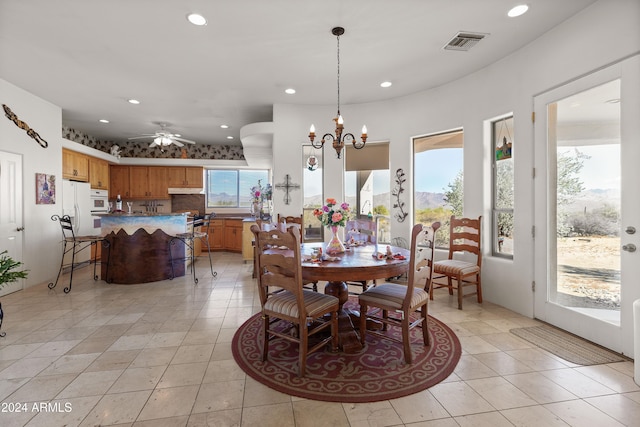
586, 210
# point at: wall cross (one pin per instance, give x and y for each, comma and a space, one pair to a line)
287, 186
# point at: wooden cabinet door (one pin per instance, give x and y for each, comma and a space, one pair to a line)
98, 173
184, 177
247, 240
193, 177
175, 177
233, 235
119, 181
138, 182
75, 166
216, 236
157, 182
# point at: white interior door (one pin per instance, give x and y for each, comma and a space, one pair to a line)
587, 206
11, 212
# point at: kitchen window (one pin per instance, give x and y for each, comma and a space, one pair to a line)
231, 188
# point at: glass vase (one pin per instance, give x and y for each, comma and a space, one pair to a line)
335, 245
256, 208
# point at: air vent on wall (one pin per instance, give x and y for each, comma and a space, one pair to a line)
464, 41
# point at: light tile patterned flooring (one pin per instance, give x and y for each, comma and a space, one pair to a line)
159, 355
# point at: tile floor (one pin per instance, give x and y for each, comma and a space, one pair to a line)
158, 355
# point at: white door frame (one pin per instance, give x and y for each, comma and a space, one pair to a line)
617, 338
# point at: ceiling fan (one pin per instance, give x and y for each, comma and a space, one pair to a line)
164, 137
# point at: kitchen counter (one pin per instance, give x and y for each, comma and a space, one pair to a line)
141, 247
170, 223
127, 214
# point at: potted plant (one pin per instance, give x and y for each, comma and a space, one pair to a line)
8, 274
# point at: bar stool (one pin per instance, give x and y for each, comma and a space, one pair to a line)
75, 244
189, 239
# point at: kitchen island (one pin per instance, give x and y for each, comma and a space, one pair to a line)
139, 245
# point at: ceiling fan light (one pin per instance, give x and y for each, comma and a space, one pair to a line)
166, 140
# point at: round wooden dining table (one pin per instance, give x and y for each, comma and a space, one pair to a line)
356, 264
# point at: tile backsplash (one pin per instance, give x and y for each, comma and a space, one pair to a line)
190, 202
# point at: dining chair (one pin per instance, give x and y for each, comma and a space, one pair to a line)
464, 238
296, 222
403, 301
290, 312
363, 231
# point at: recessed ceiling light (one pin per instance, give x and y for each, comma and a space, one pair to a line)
385, 84
290, 91
103, 121
134, 101
224, 126
197, 19
229, 137
518, 10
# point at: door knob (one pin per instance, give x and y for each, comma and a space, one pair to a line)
630, 230
629, 248
20, 229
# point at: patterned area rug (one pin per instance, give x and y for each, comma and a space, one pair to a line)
377, 373
567, 346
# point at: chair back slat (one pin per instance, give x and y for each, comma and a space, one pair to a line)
421, 258
292, 221
465, 236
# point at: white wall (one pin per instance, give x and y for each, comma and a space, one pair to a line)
606, 32
41, 236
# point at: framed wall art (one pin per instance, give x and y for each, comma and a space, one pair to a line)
45, 189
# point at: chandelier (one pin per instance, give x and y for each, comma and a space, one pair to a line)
339, 139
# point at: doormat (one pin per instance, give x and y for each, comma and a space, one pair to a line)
567, 346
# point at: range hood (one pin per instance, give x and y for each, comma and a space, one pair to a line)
186, 191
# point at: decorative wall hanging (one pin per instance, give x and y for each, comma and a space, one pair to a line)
22, 125
45, 189
287, 186
399, 204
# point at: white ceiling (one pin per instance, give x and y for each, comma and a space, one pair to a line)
90, 56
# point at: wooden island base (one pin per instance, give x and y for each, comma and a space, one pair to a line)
141, 257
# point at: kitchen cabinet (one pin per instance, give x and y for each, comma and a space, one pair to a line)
216, 234
75, 166
233, 235
247, 240
148, 182
225, 234
98, 173
119, 181
184, 177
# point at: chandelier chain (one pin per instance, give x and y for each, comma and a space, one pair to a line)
338, 37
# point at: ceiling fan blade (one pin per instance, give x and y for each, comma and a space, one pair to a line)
153, 144
151, 135
178, 143
188, 141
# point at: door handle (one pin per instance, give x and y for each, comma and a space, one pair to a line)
629, 248
20, 229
